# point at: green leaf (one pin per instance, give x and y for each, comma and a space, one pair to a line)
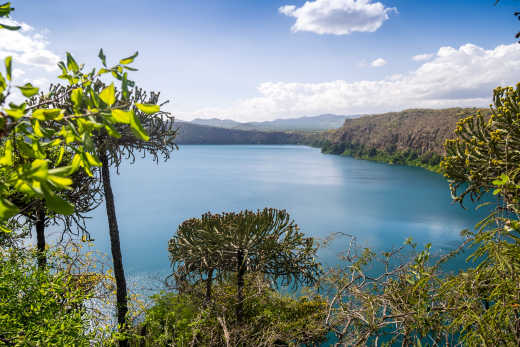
63, 68
8, 67
71, 63
48, 114
7, 209
76, 97
16, 113
103, 58
5, 9
124, 85
128, 60
112, 131
61, 182
3, 84
108, 95
7, 158
148, 108
103, 71
92, 160
37, 129
121, 116
4, 229
137, 128
39, 169
28, 90
10, 27
60, 156
55, 203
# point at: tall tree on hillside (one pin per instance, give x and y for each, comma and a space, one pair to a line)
266, 241
154, 137
84, 193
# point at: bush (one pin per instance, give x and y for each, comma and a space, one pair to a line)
40, 307
270, 318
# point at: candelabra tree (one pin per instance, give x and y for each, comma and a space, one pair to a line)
266, 241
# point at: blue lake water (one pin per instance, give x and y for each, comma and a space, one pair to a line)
380, 204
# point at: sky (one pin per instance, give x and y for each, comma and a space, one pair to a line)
256, 60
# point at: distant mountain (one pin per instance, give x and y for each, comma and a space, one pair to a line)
215, 122
312, 123
189, 133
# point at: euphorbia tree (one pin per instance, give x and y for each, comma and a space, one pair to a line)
266, 241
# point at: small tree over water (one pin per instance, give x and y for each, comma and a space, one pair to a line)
266, 241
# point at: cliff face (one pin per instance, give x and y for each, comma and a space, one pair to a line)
414, 137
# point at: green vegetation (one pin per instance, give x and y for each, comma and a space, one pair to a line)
269, 318
49, 307
66, 121
412, 137
429, 160
266, 242
39, 306
230, 270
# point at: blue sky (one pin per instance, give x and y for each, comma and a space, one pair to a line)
243, 60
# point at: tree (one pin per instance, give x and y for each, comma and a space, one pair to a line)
153, 136
84, 193
32, 131
483, 158
89, 106
266, 241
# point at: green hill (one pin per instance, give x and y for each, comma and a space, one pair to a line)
410, 137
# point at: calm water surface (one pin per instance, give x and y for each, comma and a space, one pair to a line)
380, 204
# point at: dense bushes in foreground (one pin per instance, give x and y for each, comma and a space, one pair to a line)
270, 318
41, 307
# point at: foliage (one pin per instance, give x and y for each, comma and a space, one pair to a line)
31, 130
415, 302
384, 299
41, 307
484, 158
265, 241
270, 318
428, 160
411, 137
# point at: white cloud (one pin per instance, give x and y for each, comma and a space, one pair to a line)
338, 17
422, 57
378, 62
463, 76
27, 47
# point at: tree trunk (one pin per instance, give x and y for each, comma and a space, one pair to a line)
121, 294
241, 270
40, 238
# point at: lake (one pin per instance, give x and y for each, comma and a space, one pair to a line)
381, 205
